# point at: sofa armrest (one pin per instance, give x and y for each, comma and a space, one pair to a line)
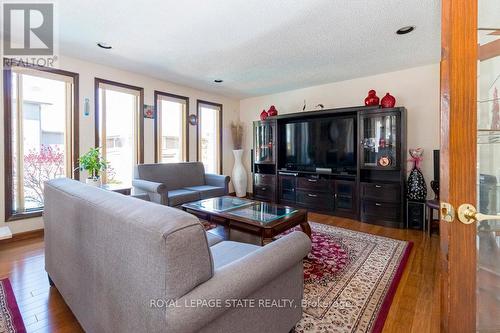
218, 180
238, 280
141, 196
148, 186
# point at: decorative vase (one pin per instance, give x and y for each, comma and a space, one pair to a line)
239, 176
388, 101
263, 115
372, 98
272, 111
417, 189
93, 181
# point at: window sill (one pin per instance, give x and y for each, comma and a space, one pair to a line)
24, 215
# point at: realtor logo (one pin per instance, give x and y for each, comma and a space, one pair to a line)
28, 32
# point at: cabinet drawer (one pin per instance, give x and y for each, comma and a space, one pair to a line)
313, 184
381, 210
318, 200
381, 192
264, 192
264, 180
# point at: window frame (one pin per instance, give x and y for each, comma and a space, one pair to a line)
97, 113
157, 95
199, 103
10, 215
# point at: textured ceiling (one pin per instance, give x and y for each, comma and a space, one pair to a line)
257, 47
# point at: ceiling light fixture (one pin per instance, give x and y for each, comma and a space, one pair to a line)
218, 81
405, 30
104, 45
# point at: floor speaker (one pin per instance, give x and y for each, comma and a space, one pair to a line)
416, 215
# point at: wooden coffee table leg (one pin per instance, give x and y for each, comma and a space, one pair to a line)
306, 228
266, 237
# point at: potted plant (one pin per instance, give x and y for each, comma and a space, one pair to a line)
94, 164
239, 175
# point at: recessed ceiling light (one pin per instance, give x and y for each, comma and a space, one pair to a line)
218, 81
104, 45
405, 30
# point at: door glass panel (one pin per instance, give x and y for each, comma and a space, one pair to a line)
264, 143
379, 140
488, 141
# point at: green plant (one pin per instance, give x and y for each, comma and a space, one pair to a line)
93, 162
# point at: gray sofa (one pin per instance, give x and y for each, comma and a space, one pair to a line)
128, 265
174, 184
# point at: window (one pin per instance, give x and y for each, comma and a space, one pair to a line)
171, 131
119, 128
41, 113
210, 136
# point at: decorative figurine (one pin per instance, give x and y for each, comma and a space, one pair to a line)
372, 98
388, 101
417, 189
263, 115
272, 111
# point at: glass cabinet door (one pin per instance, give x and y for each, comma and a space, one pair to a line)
379, 135
264, 142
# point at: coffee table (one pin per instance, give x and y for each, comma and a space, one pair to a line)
247, 220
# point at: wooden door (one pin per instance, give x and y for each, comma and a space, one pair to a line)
470, 166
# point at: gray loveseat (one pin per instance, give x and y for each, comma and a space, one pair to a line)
174, 184
128, 265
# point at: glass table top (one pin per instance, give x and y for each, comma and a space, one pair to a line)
262, 212
219, 204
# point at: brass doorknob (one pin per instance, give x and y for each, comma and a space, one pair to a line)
467, 214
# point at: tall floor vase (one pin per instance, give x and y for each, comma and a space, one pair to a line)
239, 176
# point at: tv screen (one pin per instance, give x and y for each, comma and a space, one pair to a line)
318, 143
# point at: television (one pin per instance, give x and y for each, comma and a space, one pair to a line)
318, 144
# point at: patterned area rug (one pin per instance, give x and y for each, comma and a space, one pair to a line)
10, 317
350, 279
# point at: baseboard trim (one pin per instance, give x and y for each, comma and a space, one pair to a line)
23, 236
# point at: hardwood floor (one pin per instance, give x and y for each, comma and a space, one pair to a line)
415, 307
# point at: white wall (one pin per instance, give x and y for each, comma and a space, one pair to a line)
417, 89
88, 71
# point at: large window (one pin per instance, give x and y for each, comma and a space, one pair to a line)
41, 114
171, 132
210, 136
119, 129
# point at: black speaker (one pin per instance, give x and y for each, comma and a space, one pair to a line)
416, 215
251, 160
436, 165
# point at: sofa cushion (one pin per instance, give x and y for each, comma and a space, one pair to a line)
213, 238
207, 191
179, 197
226, 252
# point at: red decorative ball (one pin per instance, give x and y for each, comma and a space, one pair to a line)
263, 115
388, 101
272, 111
372, 98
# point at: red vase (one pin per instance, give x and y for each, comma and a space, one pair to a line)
372, 98
272, 111
263, 115
388, 101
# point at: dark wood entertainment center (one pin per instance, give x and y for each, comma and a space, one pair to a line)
373, 190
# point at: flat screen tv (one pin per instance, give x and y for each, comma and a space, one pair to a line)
318, 143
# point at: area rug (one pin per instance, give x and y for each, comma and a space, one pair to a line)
10, 317
350, 279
